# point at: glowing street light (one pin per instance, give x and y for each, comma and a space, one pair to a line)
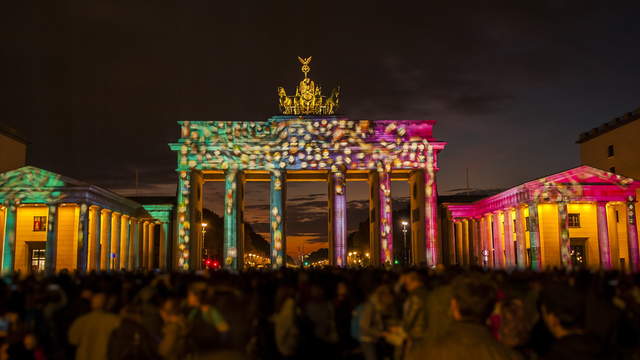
404, 224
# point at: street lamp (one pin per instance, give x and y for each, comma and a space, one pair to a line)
404, 236
204, 231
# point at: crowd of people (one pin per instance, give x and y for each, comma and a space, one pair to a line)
326, 313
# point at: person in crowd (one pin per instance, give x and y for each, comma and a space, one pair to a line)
472, 302
413, 326
375, 317
206, 326
174, 330
90, 332
563, 311
131, 340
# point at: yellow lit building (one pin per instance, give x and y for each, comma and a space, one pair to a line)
13, 149
49, 222
614, 146
583, 217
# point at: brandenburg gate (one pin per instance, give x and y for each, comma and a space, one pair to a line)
308, 142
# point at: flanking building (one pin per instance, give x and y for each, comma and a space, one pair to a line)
583, 217
49, 222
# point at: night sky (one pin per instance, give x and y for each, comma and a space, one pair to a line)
97, 86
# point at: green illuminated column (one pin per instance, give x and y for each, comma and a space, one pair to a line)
233, 227
277, 198
9, 239
165, 259
96, 247
184, 224
534, 237
50, 252
83, 237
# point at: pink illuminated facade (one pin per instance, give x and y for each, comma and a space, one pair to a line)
583, 217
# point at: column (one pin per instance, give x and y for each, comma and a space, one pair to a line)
162, 251
603, 235
277, 198
498, 253
124, 251
95, 248
489, 240
473, 242
431, 218
459, 243
386, 217
116, 233
632, 235
563, 232
145, 245
51, 246
132, 244
534, 236
233, 226
418, 227
183, 222
9, 247
105, 247
83, 237
165, 259
337, 219
521, 244
508, 239
151, 234
197, 239
374, 217
136, 244
466, 243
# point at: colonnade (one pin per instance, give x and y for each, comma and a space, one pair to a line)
106, 240
424, 247
498, 238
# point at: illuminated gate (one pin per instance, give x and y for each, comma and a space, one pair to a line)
308, 142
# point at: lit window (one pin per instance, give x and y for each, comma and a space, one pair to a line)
610, 151
39, 223
574, 220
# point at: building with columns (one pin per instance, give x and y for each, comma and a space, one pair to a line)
308, 142
49, 222
582, 217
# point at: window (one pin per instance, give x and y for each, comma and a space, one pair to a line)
39, 223
610, 151
574, 220
612, 169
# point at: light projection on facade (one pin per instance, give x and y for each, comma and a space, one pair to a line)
310, 146
528, 223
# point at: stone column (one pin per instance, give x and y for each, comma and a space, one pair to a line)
417, 193
151, 234
9, 248
498, 253
95, 249
603, 235
521, 245
450, 249
132, 244
277, 199
124, 253
136, 244
508, 239
51, 246
117, 232
197, 240
183, 222
632, 235
534, 237
563, 232
145, 244
473, 241
489, 240
459, 243
105, 247
374, 218
431, 218
337, 218
83, 237
233, 226
386, 218
165, 247
466, 243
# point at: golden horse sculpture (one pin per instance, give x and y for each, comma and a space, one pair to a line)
308, 99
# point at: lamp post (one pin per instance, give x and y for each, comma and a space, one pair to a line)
203, 251
404, 236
